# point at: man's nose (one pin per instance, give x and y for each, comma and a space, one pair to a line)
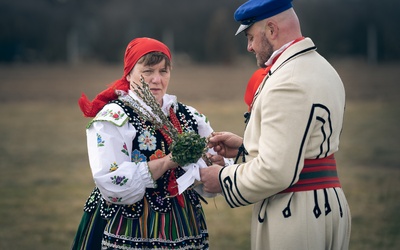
249, 47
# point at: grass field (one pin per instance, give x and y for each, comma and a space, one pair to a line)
45, 177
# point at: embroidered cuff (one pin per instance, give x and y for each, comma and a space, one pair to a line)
147, 177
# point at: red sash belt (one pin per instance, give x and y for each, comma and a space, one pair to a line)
316, 174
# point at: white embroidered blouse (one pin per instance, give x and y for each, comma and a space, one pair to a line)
109, 141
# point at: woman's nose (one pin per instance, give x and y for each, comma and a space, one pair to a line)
155, 78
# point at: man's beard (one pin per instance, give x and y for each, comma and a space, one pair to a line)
266, 51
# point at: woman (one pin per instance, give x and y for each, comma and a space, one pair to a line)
136, 204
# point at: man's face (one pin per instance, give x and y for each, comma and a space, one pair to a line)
258, 43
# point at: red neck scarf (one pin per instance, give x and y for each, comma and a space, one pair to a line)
258, 76
134, 51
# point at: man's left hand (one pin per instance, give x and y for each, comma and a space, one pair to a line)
210, 179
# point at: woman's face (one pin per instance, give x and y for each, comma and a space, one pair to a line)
157, 76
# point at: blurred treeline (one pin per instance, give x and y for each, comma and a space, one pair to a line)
200, 31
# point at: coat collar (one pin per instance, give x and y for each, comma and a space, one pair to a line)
304, 46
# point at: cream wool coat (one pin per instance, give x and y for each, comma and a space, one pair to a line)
297, 114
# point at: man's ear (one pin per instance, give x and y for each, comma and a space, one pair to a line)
271, 28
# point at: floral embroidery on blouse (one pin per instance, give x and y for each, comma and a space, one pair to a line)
119, 180
138, 157
147, 141
157, 155
201, 115
103, 113
114, 166
100, 142
116, 115
125, 149
115, 199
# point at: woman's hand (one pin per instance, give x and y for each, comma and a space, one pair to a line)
226, 144
159, 166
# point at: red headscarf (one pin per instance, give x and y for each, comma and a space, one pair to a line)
134, 51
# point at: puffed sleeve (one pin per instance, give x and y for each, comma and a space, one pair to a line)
202, 121
109, 141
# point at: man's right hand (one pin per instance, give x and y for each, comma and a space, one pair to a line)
225, 144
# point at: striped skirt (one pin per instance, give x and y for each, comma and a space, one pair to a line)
180, 228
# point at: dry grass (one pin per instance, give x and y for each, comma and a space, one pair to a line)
45, 177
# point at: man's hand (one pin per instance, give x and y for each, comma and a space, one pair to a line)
216, 159
210, 179
225, 143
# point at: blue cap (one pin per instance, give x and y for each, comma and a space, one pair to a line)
256, 10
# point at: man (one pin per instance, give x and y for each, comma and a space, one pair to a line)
292, 132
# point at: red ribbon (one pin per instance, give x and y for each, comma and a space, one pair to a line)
172, 183
173, 188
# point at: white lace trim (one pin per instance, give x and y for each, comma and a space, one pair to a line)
140, 240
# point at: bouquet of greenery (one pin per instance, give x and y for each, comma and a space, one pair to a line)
187, 147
